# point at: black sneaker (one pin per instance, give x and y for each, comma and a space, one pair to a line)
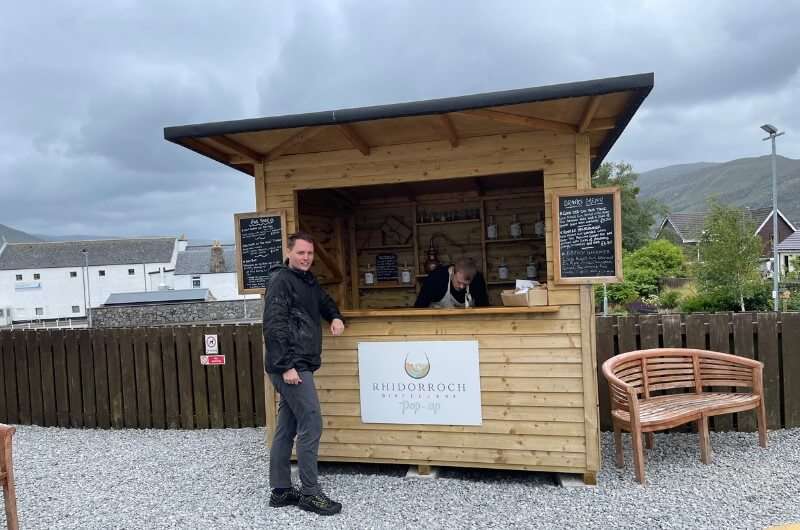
319, 504
289, 497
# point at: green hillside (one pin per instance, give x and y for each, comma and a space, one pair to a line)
743, 182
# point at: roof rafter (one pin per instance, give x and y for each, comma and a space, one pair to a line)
299, 137
588, 113
525, 121
197, 144
601, 124
239, 148
349, 132
449, 129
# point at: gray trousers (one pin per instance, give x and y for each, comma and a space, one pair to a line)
298, 415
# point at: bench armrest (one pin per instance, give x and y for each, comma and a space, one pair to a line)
623, 395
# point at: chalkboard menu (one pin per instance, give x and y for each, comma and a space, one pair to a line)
260, 240
587, 232
386, 266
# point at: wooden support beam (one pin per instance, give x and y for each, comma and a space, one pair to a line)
349, 200
301, 136
588, 113
203, 147
449, 129
349, 132
525, 121
237, 147
601, 124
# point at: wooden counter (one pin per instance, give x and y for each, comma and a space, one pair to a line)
448, 312
535, 371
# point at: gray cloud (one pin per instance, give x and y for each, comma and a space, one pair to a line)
85, 90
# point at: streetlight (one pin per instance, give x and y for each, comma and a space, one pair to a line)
88, 288
773, 133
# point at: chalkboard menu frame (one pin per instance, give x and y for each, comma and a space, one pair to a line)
238, 217
617, 219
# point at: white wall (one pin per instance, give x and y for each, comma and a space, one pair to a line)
223, 285
56, 292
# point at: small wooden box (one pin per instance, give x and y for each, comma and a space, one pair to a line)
534, 297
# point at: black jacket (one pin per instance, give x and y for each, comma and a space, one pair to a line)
435, 287
292, 328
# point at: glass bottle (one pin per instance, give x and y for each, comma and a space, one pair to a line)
530, 271
502, 270
405, 275
538, 228
491, 228
515, 229
369, 276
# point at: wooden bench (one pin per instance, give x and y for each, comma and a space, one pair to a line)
7, 476
638, 381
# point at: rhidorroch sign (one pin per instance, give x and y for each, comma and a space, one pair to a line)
430, 382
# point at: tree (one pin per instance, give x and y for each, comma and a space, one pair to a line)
643, 268
730, 253
638, 215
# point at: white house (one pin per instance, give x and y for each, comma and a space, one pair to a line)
789, 249
52, 280
210, 267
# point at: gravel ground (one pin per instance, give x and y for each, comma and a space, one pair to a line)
218, 479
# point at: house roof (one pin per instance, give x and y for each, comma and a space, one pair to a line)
690, 225
790, 244
601, 108
197, 260
160, 297
46, 255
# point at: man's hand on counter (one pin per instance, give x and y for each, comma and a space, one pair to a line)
337, 327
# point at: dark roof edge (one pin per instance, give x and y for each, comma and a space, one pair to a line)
641, 83
627, 115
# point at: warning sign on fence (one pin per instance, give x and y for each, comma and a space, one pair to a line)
212, 345
210, 360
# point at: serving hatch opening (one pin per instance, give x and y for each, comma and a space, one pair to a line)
376, 244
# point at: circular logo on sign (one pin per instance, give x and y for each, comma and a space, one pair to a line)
417, 365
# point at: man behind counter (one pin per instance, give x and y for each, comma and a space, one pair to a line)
457, 285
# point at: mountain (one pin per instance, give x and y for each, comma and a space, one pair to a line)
13, 235
742, 182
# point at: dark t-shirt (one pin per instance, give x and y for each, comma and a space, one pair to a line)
435, 287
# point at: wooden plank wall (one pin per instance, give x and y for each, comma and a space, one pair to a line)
772, 338
131, 378
531, 391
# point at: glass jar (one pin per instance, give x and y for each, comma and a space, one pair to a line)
515, 229
491, 228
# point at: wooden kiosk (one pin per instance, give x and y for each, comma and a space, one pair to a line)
379, 187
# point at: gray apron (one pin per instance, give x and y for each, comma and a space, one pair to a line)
448, 301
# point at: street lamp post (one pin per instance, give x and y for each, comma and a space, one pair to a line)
773, 133
88, 288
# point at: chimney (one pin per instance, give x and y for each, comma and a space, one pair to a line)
217, 258
162, 286
182, 243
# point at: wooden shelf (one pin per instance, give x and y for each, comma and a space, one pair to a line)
387, 247
387, 285
514, 240
461, 221
502, 282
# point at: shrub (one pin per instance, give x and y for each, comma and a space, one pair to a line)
669, 299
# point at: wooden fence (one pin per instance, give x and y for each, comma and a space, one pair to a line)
152, 377
138, 377
772, 338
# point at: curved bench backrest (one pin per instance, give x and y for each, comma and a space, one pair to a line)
670, 368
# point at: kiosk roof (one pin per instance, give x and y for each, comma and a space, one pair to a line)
601, 108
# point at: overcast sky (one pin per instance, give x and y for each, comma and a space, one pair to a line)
87, 88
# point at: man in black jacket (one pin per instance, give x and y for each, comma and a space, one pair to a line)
457, 285
292, 333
